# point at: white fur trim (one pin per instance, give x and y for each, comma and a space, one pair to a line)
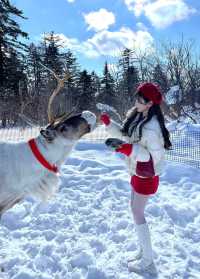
140, 153
151, 143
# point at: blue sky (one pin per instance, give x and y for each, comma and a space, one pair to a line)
96, 30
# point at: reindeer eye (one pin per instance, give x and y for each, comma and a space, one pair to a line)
63, 128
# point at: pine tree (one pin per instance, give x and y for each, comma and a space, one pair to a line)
36, 83
52, 56
107, 90
160, 77
34, 68
96, 84
128, 80
9, 43
72, 93
12, 77
129, 73
87, 95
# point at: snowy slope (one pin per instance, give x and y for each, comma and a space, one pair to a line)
87, 231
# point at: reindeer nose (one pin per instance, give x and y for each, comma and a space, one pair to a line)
90, 118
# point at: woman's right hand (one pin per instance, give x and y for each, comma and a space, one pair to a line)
105, 119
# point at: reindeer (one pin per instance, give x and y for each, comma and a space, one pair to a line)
32, 168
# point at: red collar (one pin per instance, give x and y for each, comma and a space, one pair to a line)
40, 157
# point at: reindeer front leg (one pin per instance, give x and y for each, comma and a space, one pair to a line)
9, 203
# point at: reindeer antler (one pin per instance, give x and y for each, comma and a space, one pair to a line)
55, 92
60, 85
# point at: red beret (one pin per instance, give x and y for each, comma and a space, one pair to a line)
150, 91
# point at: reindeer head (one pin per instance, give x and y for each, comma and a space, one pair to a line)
70, 128
67, 126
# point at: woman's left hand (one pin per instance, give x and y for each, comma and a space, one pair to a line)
125, 149
119, 146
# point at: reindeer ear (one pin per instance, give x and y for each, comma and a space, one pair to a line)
48, 134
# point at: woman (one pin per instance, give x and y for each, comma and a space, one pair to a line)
146, 140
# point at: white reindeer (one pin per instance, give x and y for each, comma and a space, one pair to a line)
32, 168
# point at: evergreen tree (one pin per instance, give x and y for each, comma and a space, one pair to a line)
52, 56
107, 90
12, 78
87, 95
128, 80
9, 43
36, 82
72, 91
128, 73
34, 68
96, 84
160, 77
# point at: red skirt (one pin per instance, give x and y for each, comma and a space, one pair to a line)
145, 186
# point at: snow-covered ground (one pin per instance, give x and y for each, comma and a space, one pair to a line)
87, 231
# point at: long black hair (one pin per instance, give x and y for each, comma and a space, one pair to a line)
134, 118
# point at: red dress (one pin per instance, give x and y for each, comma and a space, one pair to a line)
145, 186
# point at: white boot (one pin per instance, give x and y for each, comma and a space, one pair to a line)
145, 263
137, 255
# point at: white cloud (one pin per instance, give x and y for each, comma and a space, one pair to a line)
70, 1
106, 43
164, 13
161, 13
136, 6
111, 43
75, 45
99, 20
141, 26
66, 42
